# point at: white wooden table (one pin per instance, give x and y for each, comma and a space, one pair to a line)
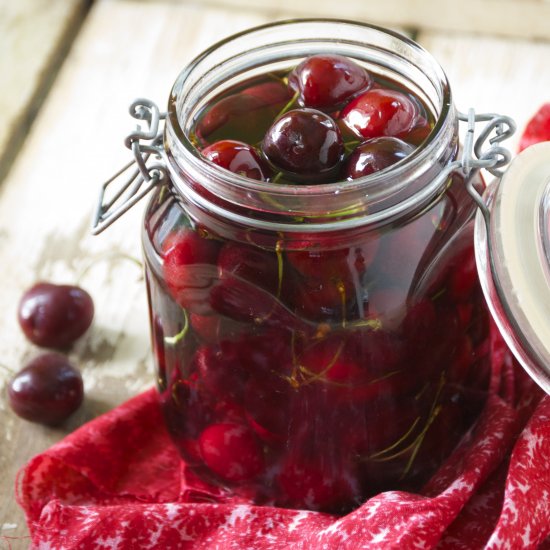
107, 55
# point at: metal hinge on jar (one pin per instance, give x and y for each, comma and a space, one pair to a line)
474, 155
145, 144
145, 176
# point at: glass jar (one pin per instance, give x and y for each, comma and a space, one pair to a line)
315, 344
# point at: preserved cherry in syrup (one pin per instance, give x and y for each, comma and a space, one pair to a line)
325, 81
237, 157
380, 112
374, 155
304, 142
313, 368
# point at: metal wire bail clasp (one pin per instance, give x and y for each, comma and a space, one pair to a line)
477, 156
144, 143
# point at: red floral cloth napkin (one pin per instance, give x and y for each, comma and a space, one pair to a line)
117, 483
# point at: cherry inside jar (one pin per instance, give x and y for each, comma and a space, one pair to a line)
318, 327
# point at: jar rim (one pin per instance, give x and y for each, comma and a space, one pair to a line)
429, 149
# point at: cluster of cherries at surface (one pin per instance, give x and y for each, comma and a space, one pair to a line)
328, 120
49, 388
309, 371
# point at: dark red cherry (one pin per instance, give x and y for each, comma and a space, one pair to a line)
322, 299
266, 354
189, 268
329, 362
442, 344
187, 408
380, 112
186, 246
190, 450
311, 258
325, 81
379, 351
465, 312
385, 423
462, 360
389, 305
443, 434
227, 409
207, 327
304, 142
247, 303
328, 281
269, 93
267, 401
48, 390
211, 329
219, 374
417, 135
313, 485
250, 263
375, 155
419, 326
55, 316
350, 377
463, 280
243, 113
237, 157
231, 451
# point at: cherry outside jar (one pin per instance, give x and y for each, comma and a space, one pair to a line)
315, 343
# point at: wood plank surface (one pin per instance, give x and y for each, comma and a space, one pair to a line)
494, 75
516, 18
127, 49
34, 38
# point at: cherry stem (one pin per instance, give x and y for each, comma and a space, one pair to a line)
397, 443
374, 324
271, 201
292, 379
349, 146
173, 340
420, 439
288, 106
322, 330
205, 234
385, 377
174, 388
282, 79
434, 413
7, 369
277, 177
313, 377
415, 445
108, 256
279, 252
342, 291
438, 294
423, 390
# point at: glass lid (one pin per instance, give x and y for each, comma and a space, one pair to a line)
514, 258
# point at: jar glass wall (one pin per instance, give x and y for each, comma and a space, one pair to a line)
315, 344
